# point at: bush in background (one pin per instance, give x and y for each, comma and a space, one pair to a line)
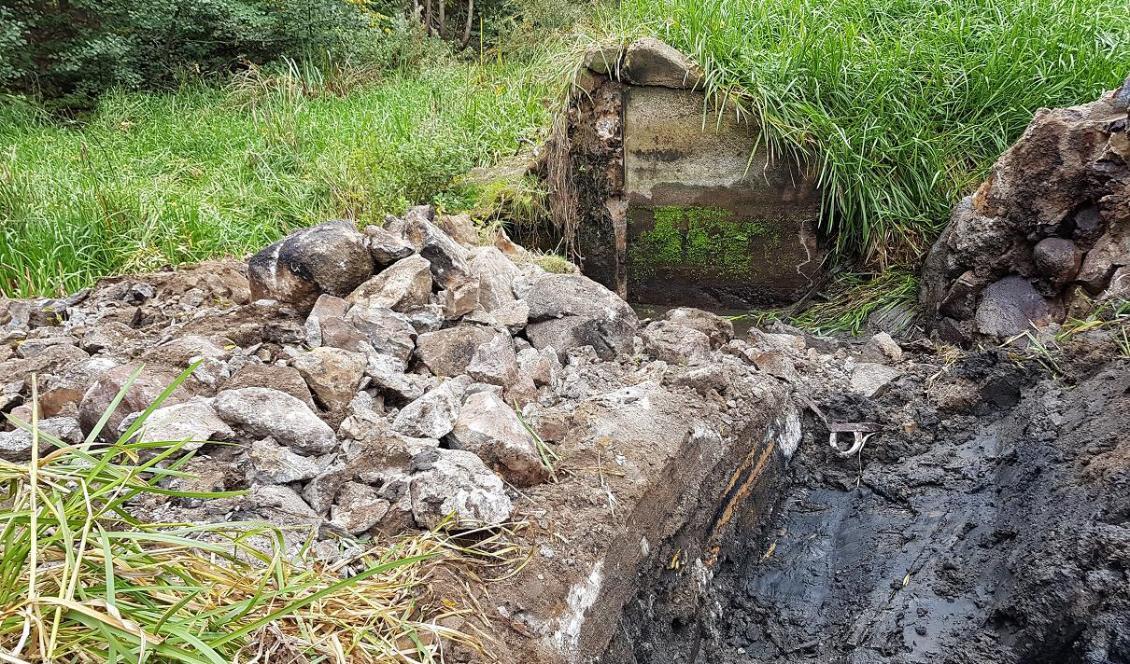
73, 50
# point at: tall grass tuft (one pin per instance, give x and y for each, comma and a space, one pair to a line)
82, 579
898, 106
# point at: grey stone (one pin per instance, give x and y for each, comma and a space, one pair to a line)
358, 508
569, 311
328, 258
15, 446
492, 431
265, 413
459, 227
461, 299
1010, 307
881, 348
332, 374
386, 248
495, 362
30, 348
447, 258
141, 393
674, 343
327, 306
432, 415
719, 330
272, 463
1111, 251
651, 62
448, 352
404, 285
869, 379
1056, 259
388, 375
274, 376
542, 366
194, 420
457, 483
387, 331
282, 506
496, 275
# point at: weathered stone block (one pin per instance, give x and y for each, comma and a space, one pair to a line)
707, 225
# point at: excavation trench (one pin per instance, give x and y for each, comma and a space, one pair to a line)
986, 522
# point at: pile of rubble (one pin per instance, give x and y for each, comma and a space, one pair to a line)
1047, 236
378, 381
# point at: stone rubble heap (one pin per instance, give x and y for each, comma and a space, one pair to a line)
375, 380
1047, 236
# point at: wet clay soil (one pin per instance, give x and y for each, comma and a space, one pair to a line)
988, 522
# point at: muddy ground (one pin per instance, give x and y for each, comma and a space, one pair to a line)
989, 521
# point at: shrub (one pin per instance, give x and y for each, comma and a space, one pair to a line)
73, 50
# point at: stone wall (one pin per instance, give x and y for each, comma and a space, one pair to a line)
677, 201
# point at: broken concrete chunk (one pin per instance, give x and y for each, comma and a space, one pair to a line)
448, 352
404, 285
570, 311
328, 258
265, 413
457, 483
332, 374
871, 379
272, 463
674, 343
492, 431
194, 420
385, 247
432, 415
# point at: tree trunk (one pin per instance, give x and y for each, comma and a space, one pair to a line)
467, 26
442, 18
428, 17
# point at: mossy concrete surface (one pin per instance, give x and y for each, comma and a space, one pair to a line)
712, 220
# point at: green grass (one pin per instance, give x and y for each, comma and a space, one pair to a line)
156, 179
83, 580
899, 106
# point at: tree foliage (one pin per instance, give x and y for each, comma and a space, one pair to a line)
72, 50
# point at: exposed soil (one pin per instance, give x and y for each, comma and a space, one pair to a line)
989, 521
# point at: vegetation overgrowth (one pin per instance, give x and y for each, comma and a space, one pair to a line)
899, 106
82, 579
150, 179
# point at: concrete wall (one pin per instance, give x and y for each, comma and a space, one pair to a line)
706, 224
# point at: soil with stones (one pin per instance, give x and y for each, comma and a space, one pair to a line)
988, 521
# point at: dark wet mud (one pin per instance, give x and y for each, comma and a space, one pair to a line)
989, 522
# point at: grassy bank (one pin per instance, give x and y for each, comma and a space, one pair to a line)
900, 105
153, 179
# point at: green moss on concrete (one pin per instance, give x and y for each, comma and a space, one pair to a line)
700, 238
